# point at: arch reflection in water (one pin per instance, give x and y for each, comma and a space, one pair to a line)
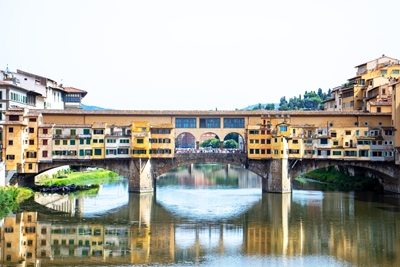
305, 228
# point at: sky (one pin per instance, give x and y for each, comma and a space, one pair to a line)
195, 55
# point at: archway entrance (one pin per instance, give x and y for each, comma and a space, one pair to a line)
185, 140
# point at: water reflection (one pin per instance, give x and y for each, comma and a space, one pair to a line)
217, 220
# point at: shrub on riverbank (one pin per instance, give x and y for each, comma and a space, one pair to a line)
10, 197
82, 178
343, 181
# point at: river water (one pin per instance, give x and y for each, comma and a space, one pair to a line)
205, 215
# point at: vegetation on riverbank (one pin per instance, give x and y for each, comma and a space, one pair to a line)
68, 177
344, 181
10, 197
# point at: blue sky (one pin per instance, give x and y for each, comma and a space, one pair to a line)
195, 55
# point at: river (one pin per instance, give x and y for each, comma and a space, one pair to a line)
205, 215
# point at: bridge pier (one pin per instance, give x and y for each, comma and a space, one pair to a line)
140, 176
276, 179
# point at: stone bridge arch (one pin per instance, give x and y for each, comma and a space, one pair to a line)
386, 172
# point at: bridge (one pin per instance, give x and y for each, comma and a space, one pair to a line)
276, 174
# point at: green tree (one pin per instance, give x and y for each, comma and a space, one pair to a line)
270, 106
234, 136
230, 144
212, 142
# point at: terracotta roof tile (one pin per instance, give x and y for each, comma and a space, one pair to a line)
185, 113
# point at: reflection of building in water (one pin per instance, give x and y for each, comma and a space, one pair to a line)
18, 238
64, 203
277, 225
273, 237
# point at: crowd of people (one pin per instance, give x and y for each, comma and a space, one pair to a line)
208, 150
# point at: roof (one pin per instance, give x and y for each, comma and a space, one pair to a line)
13, 123
383, 56
162, 126
186, 113
381, 103
73, 90
32, 75
50, 125
359, 76
99, 125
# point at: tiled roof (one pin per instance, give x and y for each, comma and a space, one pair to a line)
380, 103
13, 123
185, 113
73, 90
50, 125
100, 125
164, 126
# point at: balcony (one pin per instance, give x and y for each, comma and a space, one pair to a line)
84, 136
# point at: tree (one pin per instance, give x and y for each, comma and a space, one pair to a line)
283, 105
212, 142
234, 136
230, 144
270, 106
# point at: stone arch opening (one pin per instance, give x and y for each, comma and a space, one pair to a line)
234, 140
185, 140
209, 140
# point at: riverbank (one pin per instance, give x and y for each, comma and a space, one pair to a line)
343, 181
79, 178
11, 197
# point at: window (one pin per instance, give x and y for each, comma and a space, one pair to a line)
336, 153
383, 72
10, 142
253, 132
86, 131
10, 157
43, 231
185, 123
58, 131
30, 166
81, 141
75, 98
283, 128
333, 134
31, 142
140, 141
10, 129
97, 152
29, 230
295, 141
335, 143
8, 244
65, 142
45, 131
72, 142
73, 132
348, 132
396, 72
324, 141
366, 123
14, 118
57, 142
210, 123
98, 131
234, 123
111, 141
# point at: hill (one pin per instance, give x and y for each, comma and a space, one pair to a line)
86, 107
